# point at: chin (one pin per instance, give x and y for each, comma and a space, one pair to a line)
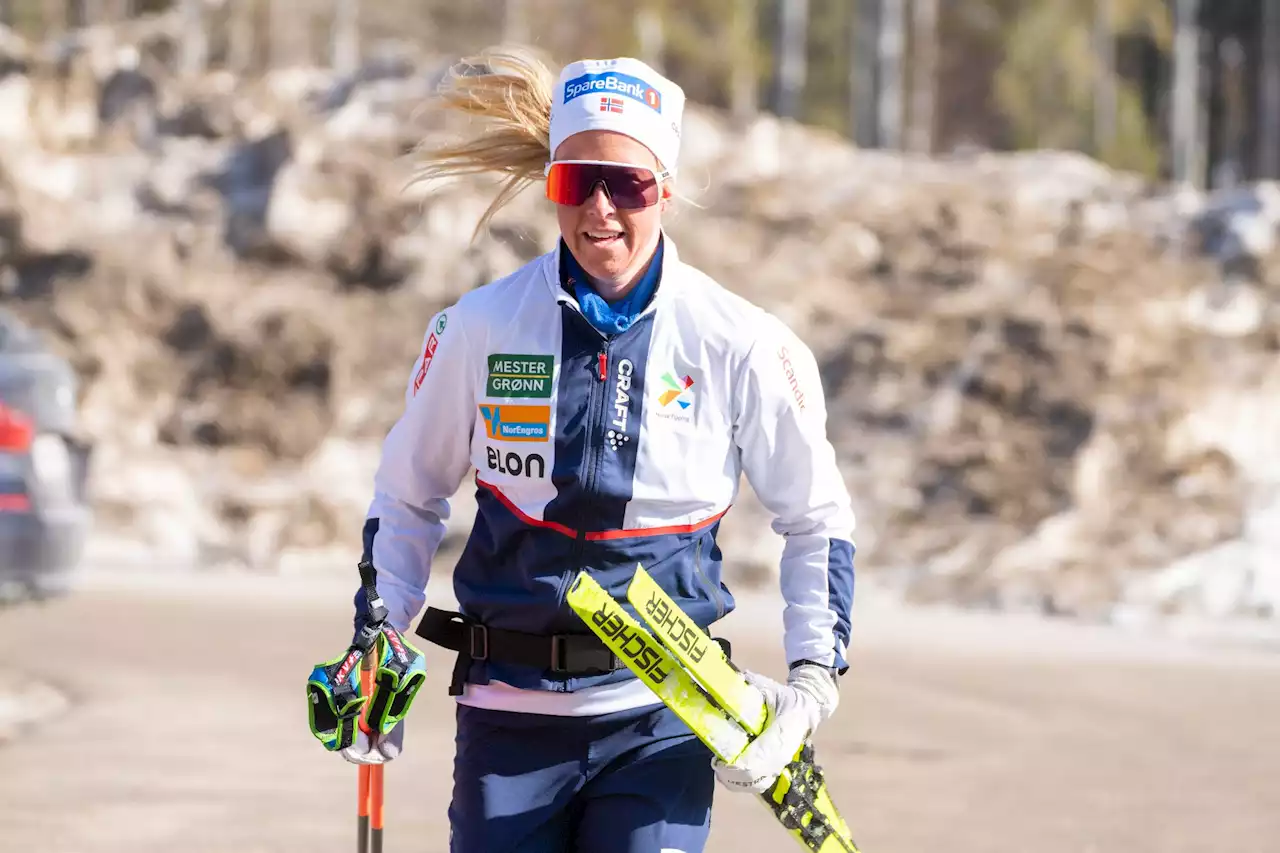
604, 266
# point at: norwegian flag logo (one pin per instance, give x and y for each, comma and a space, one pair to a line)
610, 105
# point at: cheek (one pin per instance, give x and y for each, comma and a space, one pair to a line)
568, 218
643, 223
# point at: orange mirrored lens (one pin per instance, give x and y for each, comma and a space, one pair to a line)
628, 187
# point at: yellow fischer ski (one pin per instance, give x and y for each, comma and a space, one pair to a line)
653, 664
702, 656
799, 798
691, 674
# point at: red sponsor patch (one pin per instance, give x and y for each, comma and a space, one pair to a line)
427, 354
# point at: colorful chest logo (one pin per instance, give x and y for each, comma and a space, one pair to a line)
678, 391
517, 423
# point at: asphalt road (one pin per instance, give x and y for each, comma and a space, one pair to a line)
186, 730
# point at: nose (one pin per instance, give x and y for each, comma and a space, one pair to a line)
599, 200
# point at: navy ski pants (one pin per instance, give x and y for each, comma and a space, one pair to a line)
628, 782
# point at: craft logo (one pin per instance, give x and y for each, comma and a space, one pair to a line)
516, 423
519, 375
610, 105
617, 436
613, 83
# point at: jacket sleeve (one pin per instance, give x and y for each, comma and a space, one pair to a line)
425, 457
780, 430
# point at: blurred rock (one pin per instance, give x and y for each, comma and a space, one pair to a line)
1049, 383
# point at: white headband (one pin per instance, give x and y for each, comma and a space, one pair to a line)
623, 95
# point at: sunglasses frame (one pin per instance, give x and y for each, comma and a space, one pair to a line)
660, 177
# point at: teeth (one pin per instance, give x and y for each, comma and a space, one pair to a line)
603, 235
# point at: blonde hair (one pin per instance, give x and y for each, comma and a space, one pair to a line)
512, 87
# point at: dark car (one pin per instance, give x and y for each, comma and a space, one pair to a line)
44, 512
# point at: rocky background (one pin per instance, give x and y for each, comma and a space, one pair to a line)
1053, 386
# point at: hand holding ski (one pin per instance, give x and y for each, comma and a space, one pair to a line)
691, 674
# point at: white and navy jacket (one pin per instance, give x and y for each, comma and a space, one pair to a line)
600, 453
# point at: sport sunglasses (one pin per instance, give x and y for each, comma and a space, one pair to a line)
629, 186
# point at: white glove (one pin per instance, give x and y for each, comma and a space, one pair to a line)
795, 710
375, 749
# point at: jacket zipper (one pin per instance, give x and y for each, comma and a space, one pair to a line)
714, 589
597, 405
597, 420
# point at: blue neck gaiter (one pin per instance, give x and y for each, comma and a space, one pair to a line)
611, 318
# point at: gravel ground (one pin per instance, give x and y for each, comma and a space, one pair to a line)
185, 729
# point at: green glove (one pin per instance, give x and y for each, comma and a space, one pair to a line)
334, 694
334, 699
400, 673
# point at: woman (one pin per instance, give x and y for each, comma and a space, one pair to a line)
608, 396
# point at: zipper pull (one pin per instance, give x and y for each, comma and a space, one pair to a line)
603, 361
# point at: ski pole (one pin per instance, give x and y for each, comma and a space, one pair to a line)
362, 787
369, 787
375, 807
362, 820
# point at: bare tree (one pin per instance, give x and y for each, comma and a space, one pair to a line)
53, 16
924, 74
1105, 93
891, 56
1186, 131
91, 13
649, 34
81, 13
344, 47
792, 56
864, 92
1269, 93
241, 37
195, 38
289, 33
515, 21
743, 95
78, 13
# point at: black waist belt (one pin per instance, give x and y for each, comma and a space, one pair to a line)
570, 655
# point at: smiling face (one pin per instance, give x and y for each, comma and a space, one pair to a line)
613, 246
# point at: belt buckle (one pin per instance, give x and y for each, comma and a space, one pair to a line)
558, 663
482, 632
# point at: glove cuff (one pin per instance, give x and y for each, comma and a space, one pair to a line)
819, 684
